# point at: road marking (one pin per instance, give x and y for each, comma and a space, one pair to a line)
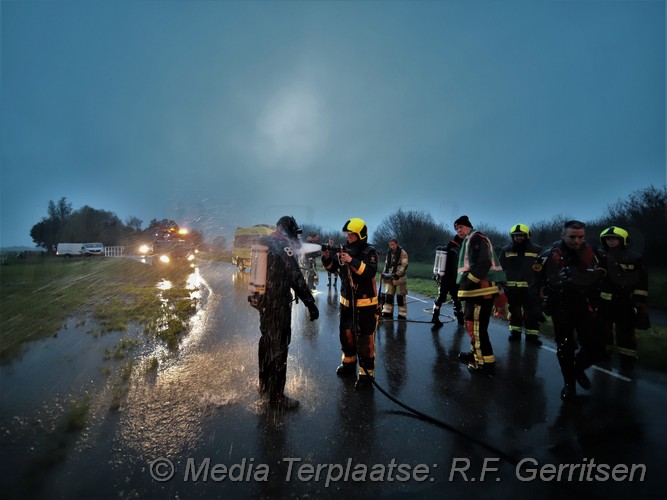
420, 300
596, 367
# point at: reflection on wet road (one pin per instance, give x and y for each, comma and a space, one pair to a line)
201, 409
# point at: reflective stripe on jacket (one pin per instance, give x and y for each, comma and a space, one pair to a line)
479, 270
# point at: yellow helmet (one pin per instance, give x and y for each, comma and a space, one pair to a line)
615, 232
356, 226
520, 229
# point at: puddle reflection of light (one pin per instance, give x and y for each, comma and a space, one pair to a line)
200, 319
240, 278
194, 280
165, 285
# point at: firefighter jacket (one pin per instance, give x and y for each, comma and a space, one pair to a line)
565, 276
283, 273
517, 261
479, 271
396, 264
627, 277
357, 277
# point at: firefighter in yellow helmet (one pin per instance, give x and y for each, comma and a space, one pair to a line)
623, 294
517, 261
356, 264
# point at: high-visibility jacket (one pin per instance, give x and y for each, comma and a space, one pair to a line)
479, 271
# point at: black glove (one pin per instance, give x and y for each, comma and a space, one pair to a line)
642, 320
314, 311
565, 275
394, 276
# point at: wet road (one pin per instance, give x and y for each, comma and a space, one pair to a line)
200, 417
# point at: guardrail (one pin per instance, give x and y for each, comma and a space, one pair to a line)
114, 251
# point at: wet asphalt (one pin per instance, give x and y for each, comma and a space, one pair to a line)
431, 429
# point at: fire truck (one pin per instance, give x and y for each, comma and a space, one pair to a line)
173, 246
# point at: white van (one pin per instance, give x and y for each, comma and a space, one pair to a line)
69, 249
79, 249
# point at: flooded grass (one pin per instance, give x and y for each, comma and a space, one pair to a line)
121, 386
37, 296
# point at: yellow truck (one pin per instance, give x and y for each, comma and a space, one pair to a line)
244, 239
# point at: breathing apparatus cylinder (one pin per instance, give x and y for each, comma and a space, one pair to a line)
440, 262
258, 267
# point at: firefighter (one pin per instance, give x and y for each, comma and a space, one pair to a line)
356, 264
335, 276
624, 294
568, 274
310, 263
447, 282
517, 261
275, 310
396, 281
329, 273
479, 274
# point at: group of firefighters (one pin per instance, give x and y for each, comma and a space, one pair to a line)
592, 294
593, 291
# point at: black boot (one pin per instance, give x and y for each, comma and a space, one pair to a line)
282, 402
583, 380
436, 318
626, 364
364, 382
466, 357
568, 392
347, 369
533, 339
487, 369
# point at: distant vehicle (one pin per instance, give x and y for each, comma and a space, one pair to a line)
69, 249
172, 245
79, 249
93, 249
244, 239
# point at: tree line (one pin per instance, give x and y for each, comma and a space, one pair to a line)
87, 224
643, 214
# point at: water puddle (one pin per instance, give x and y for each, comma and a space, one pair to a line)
102, 377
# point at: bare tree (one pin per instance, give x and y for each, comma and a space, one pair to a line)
133, 224
415, 230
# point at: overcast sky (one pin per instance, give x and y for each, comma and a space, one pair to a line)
223, 114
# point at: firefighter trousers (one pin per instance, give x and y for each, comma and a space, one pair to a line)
275, 327
357, 336
477, 314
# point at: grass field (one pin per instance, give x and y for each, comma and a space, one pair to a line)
38, 294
